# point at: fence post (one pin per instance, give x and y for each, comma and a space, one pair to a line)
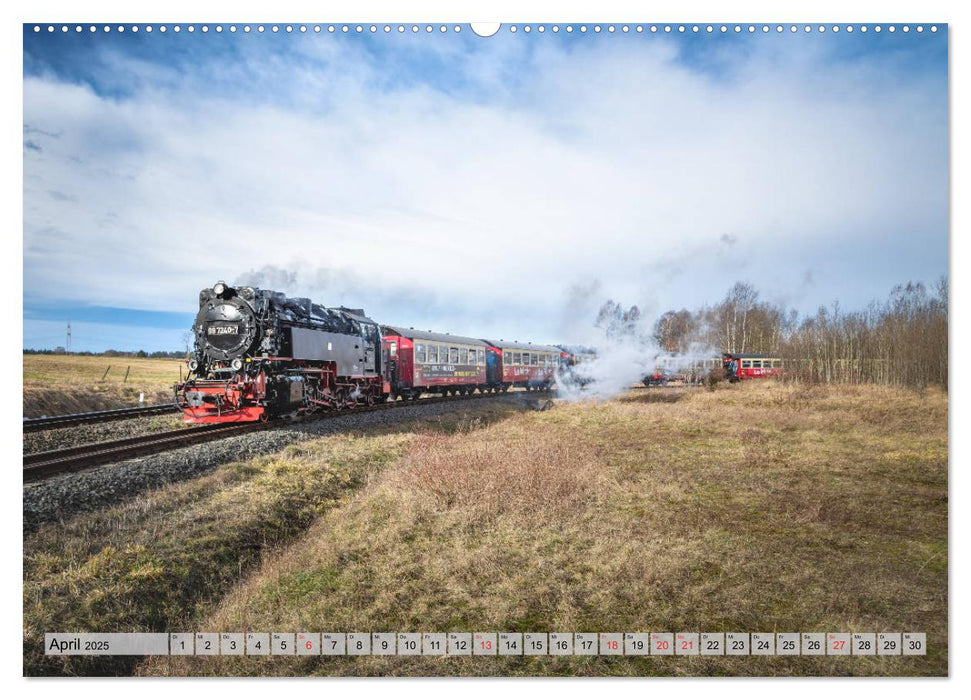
106, 373
127, 370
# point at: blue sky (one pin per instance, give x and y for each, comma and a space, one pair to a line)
469, 184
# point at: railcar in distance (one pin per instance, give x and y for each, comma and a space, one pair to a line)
747, 366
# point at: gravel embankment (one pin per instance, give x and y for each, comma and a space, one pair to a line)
85, 434
67, 494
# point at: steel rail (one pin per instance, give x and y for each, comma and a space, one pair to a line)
42, 465
67, 420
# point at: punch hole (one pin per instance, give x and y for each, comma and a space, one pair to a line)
485, 29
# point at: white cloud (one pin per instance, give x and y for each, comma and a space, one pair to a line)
542, 171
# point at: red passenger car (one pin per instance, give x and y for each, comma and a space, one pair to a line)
738, 367
420, 361
526, 365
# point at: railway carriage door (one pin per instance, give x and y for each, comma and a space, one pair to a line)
493, 375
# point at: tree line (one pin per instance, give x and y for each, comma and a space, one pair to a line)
902, 340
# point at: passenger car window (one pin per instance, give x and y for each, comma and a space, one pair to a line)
419, 352
433, 354
453, 356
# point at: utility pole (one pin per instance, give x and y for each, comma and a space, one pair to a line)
67, 345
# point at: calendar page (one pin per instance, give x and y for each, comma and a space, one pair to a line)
438, 348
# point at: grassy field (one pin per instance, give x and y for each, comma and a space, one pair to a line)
56, 384
760, 507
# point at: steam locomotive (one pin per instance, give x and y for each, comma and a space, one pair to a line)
260, 354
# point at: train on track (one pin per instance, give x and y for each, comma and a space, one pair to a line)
740, 366
734, 366
260, 354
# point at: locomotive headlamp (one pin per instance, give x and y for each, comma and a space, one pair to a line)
237, 363
219, 288
193, 365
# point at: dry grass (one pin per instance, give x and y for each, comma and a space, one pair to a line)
163, 560
486, 480
57, 384
762, 507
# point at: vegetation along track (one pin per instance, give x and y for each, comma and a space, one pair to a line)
42, 465
34, 424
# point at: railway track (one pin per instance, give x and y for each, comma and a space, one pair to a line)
42, 465
34, 424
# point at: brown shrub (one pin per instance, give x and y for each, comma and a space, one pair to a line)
488, 478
